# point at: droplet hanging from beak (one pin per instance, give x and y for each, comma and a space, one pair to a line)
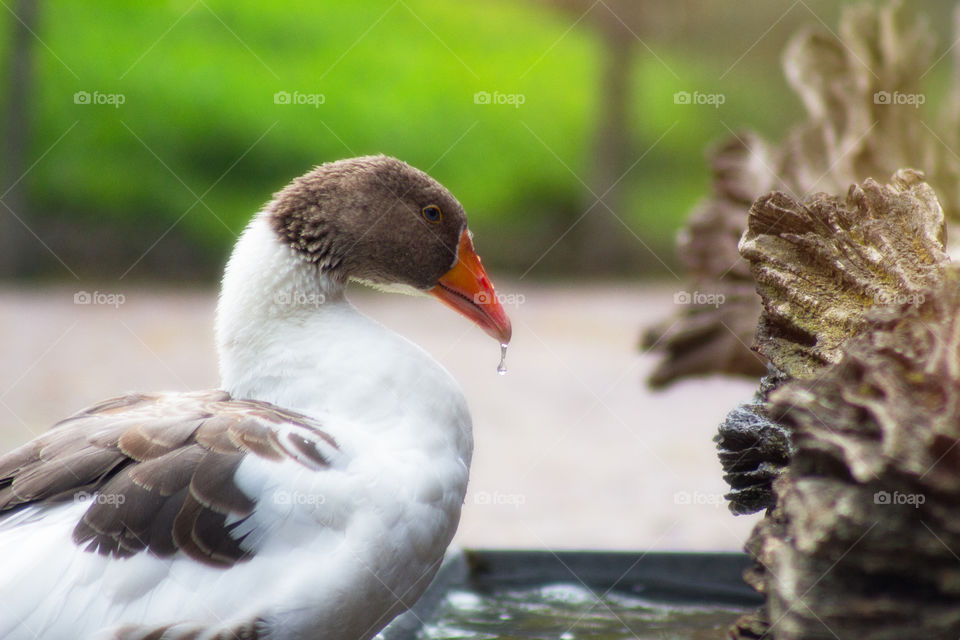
502, 367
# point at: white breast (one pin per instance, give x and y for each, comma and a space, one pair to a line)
336, 552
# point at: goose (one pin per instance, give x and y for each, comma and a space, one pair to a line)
313, 494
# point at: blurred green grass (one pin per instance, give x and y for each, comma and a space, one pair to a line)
200, 142
201, 101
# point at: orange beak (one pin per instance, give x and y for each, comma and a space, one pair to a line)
467, 290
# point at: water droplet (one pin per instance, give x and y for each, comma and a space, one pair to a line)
502, 367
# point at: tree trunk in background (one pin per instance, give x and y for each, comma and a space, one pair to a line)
15, 240
606, 245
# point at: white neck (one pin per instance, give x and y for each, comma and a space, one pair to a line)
266, 290
286, 334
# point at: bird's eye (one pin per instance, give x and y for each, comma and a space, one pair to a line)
431, 213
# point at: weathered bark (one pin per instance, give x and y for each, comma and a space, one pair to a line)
861, 93
866, 548
754, 450
861, 315
821, 264
718, 334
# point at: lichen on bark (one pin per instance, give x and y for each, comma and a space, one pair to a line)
820, 264
862, 541
852, 444
857, 126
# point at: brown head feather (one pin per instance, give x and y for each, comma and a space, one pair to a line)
362, 218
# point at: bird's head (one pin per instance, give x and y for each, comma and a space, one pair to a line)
380, 221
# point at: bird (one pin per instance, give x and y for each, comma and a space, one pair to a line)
314, 493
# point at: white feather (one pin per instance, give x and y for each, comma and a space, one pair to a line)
338, 551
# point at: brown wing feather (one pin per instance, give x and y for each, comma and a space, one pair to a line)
203, 534
153, 439
62, 475
158, 470
251, 435
120, 519
248, 630
212, 484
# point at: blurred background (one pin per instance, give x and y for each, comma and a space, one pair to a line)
138, 140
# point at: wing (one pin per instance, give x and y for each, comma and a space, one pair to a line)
158, 470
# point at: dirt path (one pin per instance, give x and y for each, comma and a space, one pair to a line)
572, 451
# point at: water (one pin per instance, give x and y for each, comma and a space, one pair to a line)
502, 367
571, 612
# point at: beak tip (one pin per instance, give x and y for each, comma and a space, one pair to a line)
467, 289
503, 330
